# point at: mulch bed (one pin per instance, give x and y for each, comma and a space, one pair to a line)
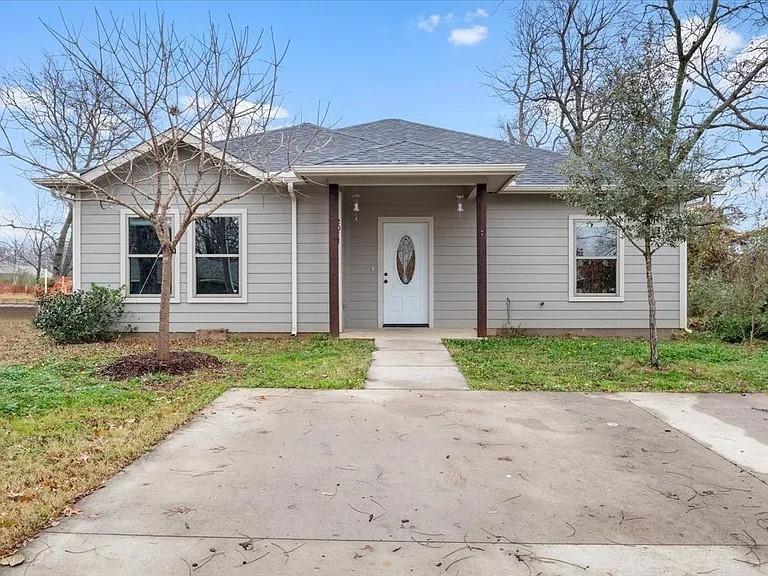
179, 362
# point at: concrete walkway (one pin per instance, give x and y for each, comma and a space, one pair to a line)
436, 483
413, 362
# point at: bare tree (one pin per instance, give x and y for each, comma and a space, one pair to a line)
554, 76
32, 236
173, 95
61, 116
717, 85
532, 121
723, 78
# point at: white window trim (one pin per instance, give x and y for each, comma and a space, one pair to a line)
572, 295
125, 214
192, 297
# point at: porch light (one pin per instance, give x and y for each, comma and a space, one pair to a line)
356, 205
459, 204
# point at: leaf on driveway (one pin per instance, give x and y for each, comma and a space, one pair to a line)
13, 560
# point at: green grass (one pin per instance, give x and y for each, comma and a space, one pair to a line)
64, 430
610, 365
29, 390
318, 362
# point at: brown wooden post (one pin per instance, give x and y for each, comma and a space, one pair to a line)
482, 263
333, 259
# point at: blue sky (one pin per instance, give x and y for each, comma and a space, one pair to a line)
365, 60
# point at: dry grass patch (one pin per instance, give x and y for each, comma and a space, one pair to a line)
18, 298
64, 430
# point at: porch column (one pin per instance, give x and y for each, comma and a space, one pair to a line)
482, 263
333, 259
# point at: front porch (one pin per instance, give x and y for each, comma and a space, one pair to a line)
408, 260
407, 242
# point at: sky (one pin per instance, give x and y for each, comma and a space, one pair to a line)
419, 61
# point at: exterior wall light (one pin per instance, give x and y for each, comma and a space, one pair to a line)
356, 205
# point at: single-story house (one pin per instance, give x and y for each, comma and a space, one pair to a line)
389, 223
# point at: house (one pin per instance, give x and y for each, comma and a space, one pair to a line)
389, 223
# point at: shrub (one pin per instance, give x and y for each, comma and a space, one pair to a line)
82, 316
710, 296
736, 327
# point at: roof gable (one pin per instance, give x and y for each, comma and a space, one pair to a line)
394, 142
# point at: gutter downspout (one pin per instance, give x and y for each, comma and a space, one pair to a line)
294, 263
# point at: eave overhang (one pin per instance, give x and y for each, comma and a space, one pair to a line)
495, 176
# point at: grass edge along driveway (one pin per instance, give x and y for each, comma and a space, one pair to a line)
582, 364
65, 431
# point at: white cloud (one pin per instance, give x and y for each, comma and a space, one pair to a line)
738, 63
721, 41
727, 39
429, 23
479, 13
468, 36
249, 117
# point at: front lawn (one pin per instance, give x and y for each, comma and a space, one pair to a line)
610, 365
64, 431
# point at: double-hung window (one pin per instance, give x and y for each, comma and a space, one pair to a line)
142, 260
596, 260
217, 263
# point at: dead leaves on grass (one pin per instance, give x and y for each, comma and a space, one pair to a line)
21, 496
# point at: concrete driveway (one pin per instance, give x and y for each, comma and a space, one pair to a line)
432, 482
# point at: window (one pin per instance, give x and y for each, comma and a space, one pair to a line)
596, 254
141, 261
218, 261
405, 261
145, 262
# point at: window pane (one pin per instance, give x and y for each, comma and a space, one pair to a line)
141, 237
596, 276
145, 275
595, 239
217, 275
218, 235
405, 260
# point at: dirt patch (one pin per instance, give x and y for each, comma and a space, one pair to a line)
179, 362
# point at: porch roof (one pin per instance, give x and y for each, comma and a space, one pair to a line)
398, 147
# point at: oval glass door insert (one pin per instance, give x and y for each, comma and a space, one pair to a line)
405, 259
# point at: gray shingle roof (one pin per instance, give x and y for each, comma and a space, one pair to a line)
392, 142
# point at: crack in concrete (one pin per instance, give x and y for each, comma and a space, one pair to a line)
405, 541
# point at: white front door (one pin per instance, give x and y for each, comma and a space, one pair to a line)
405, 273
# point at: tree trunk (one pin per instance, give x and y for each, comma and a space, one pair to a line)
653, 335
164, 326
60, 256
38, 265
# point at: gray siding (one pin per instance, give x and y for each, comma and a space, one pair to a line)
527, 263
268, 308
454, 250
